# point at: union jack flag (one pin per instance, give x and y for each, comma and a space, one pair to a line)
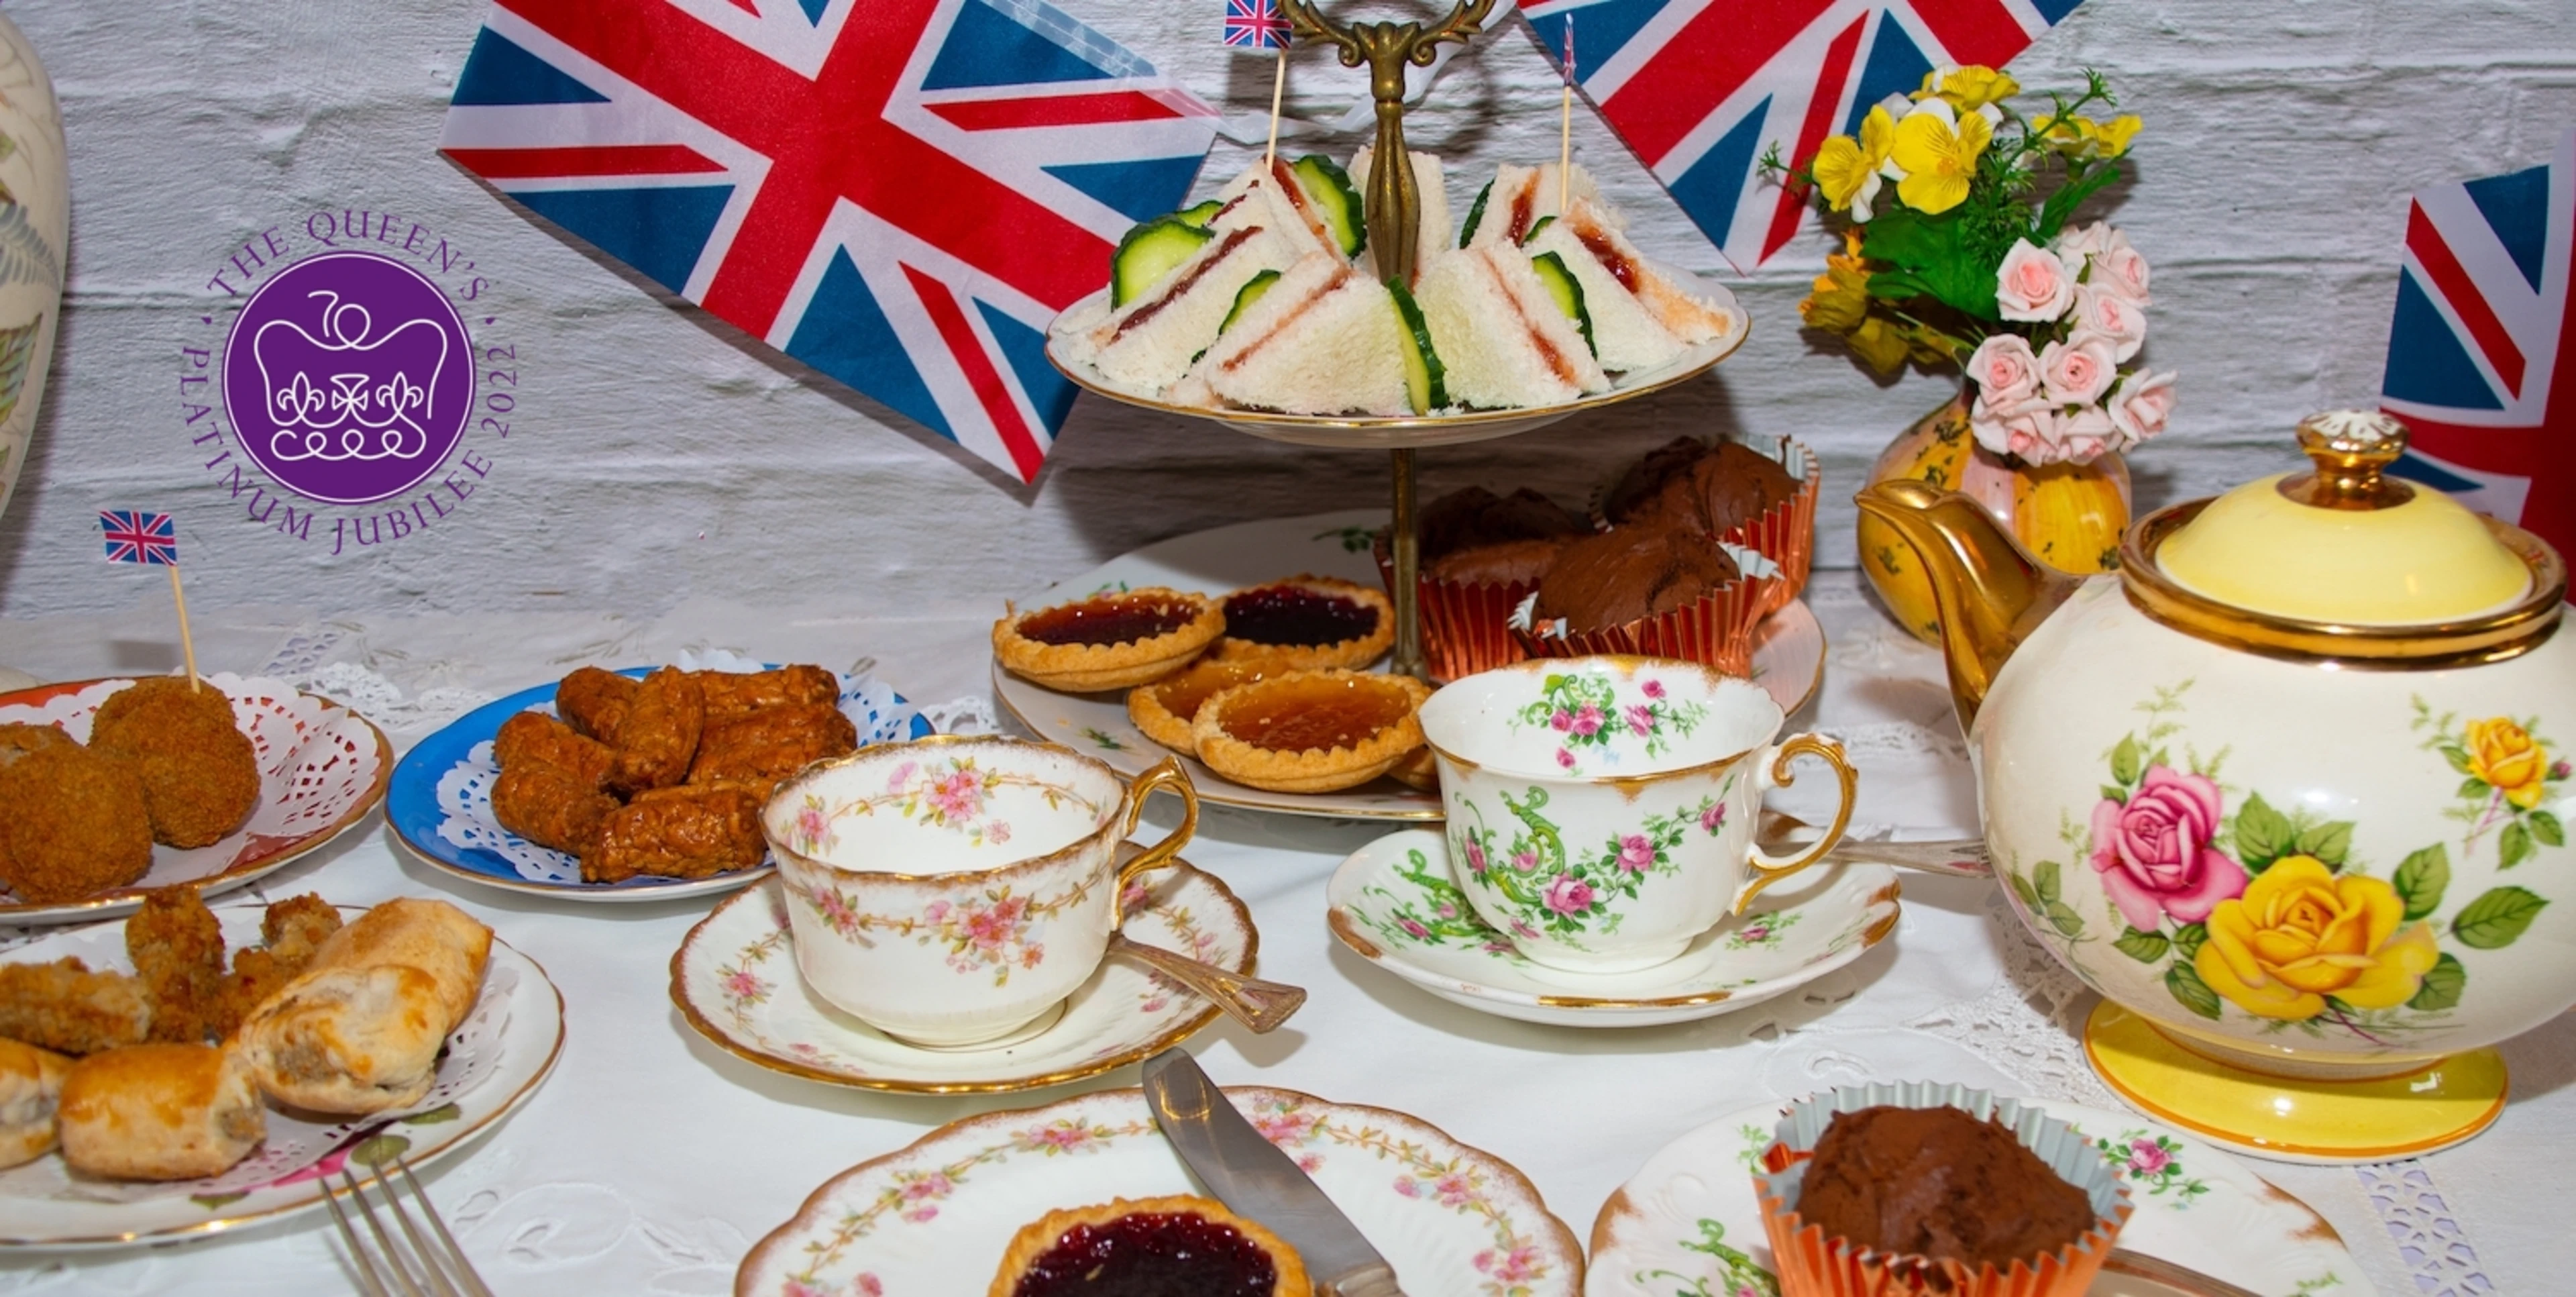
1255, 25
151, 539
2481, 338
899, 193
1700, 88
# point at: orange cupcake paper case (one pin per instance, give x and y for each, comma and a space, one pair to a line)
1466, 628
1810, 1264
1716, 630
1785, 533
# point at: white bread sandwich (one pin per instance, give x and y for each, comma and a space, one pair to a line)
1309, 201
1504, 340
1589, 229
1324, 339
1517, 198
1433, 235
1625, 335
1149, 342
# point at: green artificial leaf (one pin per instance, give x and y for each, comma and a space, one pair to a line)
1933, 251
444, 1112
2513, 845
2064, 918
212, 1201
2421, 879
2184, 981
2043, 876
2495, 919
2327, 842
2021, 889
2124, 760
2473, 787
2144, 947
2061, 205
2441, 986
2187, 938
2263, 835
2546, 828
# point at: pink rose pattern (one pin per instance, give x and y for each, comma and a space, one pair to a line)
2154, 851
2153, 1162
1559, 891
1586, 712
953, 794
998, 931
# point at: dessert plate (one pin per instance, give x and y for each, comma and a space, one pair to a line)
734, 978
1437, 429
1687, 1221
441, 802
322, 767
494, 1061
1393, 903
936, 1217
1788, 656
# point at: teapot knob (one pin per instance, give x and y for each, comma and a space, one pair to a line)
2350, 448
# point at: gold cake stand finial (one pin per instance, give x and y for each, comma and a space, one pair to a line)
1393, 201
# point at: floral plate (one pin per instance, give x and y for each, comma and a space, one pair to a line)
1394, 904
934, 1218
322, 767
441, 803
735, 979
492, 1063
1687, 1225
1788, 657
1444, 428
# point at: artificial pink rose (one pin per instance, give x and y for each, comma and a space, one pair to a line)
2141, 404
2076, 372
2119, 270
2154, 855
2004, 371
2072, 246
2103, 314
2028, 429
1568, 895
2083, 435
2032, 284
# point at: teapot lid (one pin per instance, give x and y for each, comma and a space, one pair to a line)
2345, 544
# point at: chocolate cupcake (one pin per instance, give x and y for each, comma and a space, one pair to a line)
1732, 491
1481, 555
1901, 1189
1653, 589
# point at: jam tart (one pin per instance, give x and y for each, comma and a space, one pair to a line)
1307, 622
1164, 709
1111, 640
1310, 731
1178, 1245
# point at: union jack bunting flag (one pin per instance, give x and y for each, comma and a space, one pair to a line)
148, 538
1255, 25
899, 193
1701, 88
2481, 341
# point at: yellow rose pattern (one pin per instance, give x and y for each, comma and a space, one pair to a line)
2300, 934
2510, 782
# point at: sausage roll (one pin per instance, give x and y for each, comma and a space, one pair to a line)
159, 1112
360, 1030
31, 1083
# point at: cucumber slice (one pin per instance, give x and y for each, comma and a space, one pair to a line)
1475, 214
1426, 381
1245, 296
1201, 214
1149, 252
1568, 292
1328, 187
1534, 229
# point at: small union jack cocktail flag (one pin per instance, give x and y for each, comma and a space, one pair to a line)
133, 537
1255, 25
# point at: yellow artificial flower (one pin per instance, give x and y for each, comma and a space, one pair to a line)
2509, 759
2109, 139
2065, 134
2301, 933
1881, 345
1847, 169
1970, 88
1840, 299
1938, 151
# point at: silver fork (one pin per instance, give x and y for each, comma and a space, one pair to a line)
428, 1269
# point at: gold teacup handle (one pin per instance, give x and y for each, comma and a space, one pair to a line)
1165, 774
1769, 869
1257, 1004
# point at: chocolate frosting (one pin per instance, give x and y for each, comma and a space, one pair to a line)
1708, 486
1510, 562
1618, 576
1939, 1182
1476, 516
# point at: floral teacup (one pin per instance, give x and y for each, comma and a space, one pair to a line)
1602, 809
952, 891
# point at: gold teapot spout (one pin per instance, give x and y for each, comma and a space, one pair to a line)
1991, 594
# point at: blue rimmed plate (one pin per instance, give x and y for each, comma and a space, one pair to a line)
440, 802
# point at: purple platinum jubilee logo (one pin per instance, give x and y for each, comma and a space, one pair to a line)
349, 377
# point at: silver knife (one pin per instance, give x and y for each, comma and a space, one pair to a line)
1250, 1175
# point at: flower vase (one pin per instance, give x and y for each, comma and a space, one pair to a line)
2070, 516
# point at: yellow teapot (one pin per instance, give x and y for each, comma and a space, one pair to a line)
2290, 789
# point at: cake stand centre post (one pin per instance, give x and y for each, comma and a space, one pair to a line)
1404, 544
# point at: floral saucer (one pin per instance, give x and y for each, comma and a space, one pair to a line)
1394, 904
936, 1217
1687, 1225
735, 979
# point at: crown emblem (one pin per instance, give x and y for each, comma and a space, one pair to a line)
351, 394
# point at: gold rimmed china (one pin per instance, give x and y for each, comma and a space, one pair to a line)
734, 978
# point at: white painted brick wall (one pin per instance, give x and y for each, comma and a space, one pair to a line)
653, 458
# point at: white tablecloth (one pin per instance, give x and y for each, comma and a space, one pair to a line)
651, 1161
